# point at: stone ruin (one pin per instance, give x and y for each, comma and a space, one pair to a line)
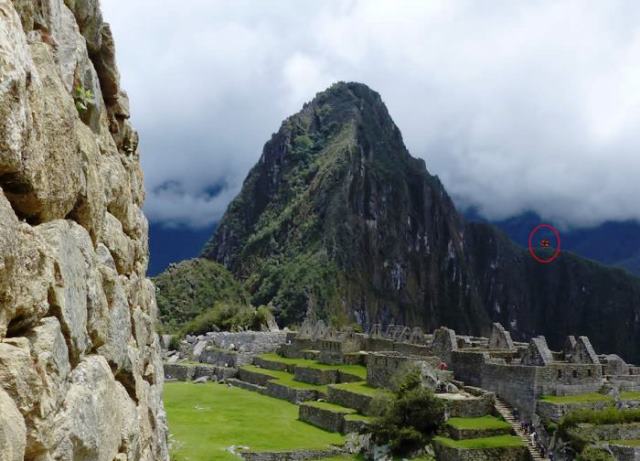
467, 372
538, 353
519, 372
444, 343
500, 338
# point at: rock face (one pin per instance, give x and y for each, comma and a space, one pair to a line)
80, 370
337, 218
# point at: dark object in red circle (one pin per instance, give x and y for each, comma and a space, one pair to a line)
555, 254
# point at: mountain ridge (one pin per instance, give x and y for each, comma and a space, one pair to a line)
338, 219
612, 243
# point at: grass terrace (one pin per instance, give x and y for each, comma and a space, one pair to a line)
356, 370
360, 388
483, 422
499, 441
206, 419
580, 398
358, 417
626, 443
331, 407
286, 379
630, 395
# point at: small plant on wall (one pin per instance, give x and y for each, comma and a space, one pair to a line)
83, 98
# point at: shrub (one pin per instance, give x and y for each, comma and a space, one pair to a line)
408, 421
592, 453
227, 317
83, 99
609, 415
174, 343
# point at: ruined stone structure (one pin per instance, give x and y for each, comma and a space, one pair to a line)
518, 372
80, 369
474, 376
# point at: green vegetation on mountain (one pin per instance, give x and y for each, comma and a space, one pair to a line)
227, 316
338, 218
192, 288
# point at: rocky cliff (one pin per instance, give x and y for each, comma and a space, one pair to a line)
80, 370
338, 218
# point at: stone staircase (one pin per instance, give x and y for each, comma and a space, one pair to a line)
505, 410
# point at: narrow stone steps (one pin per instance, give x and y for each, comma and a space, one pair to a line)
507, 413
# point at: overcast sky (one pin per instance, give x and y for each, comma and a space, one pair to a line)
515, 105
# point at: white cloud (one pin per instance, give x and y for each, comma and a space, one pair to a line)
515, 105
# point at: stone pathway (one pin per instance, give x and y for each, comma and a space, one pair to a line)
507, 413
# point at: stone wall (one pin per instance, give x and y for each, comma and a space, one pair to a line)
467, 366
555, 411
629, 431
80, 369
477, 402
323, 418
445, 453
623, 453
298, 455
345, 398
315, 375
291, 394
220, 357
515, 384
231, 348
188, 372
382, 367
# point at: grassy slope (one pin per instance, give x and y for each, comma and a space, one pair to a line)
483, 422
360, 388
626, 443
205, 419
284, 378
580, 398
356, 370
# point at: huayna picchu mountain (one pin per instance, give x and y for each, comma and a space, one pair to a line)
338, 218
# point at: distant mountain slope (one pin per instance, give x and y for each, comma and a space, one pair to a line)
612, 243
193, 286
337, 214
338, 217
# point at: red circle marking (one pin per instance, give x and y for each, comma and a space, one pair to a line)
555, 254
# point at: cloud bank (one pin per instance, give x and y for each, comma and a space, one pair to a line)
515, 105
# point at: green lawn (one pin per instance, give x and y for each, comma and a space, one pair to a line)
205, 419
580, 398
483, 422
360, 388
630, 395
626, 443
356, 370
484, 442
287, 379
